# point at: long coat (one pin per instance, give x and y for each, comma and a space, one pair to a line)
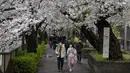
63, 51
72, 55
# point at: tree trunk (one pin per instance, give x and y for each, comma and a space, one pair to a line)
114, 49
31, 41
23, 44
92, 38
97, 41
40, 37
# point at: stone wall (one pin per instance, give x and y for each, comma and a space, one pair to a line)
108, 66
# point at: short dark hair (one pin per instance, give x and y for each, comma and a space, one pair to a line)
74, 45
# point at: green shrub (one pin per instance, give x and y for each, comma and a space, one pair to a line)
40, 49
84, 43
21, 52
126, 57
27, 62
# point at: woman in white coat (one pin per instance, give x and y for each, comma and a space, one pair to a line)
72, 57
60, 52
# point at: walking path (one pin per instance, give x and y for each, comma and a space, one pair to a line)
48, 64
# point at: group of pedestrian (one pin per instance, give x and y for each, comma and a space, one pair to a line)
73, 53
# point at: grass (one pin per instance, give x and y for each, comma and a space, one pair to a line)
98, 56
126, 57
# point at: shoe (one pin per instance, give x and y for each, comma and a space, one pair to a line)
59, 70
79, 62
70, 70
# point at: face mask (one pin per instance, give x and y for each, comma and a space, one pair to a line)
70, 45
60, 43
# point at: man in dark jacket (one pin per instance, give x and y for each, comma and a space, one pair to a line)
79, 47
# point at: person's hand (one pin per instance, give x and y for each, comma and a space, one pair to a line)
57, 54
82, 49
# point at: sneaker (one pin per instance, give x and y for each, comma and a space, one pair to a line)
70, 70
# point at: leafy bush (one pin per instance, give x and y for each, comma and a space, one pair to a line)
27, 62
115, 30
40, 49
84, 43
21, 52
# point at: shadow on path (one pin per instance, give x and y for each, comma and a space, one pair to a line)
48, 64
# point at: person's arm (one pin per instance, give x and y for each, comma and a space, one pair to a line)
75, 52
75, 55
64, 51
56, 51
68, 51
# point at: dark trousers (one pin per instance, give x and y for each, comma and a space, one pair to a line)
60, 62
79, 56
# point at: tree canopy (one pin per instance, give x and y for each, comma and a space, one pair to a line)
18, 16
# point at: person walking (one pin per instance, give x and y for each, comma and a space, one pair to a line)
60, 52
79, 47
67, 43
54, 44
72, 57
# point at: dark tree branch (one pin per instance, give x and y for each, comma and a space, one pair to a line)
45, 27
40, 24
22, 1
32, 27
41, 1
12, 2
3, 2
8, 9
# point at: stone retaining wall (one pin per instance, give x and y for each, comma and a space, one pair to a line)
108, 67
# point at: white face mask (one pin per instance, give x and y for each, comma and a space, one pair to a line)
60, 43
70, 45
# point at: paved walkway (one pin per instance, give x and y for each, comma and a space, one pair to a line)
48, 64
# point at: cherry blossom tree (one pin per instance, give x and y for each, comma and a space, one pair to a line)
101, 13
30, 18
18, 17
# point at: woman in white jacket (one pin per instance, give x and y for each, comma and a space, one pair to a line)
72, 57
60, 52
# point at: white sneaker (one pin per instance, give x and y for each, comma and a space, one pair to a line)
70, 70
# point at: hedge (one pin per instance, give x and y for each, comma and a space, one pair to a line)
27, 62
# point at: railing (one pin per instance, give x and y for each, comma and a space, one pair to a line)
6, 61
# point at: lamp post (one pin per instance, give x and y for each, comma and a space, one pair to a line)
125, 29
125, 38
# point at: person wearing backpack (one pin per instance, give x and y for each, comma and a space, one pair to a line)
72, 57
